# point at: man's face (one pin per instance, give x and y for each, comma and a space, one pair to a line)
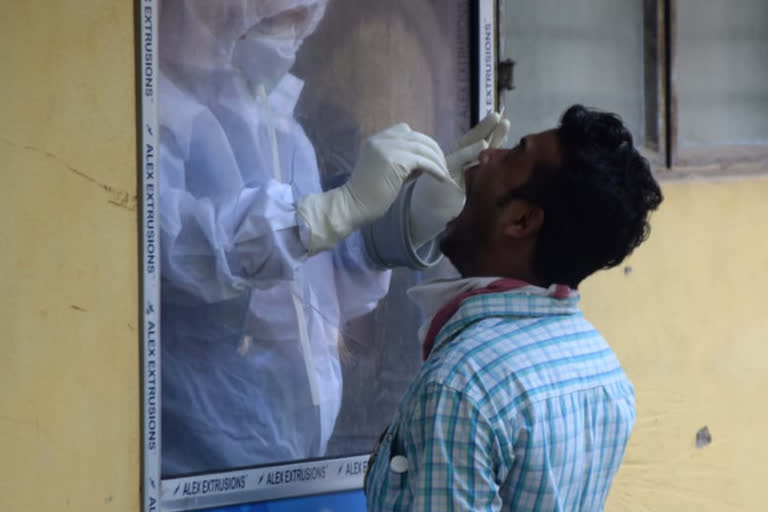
477, 228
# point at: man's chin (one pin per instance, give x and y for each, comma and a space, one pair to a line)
448, 246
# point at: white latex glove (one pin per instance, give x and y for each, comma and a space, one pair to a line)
435, 203
491, 132
386, 161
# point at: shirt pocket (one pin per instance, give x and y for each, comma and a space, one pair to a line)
386, 487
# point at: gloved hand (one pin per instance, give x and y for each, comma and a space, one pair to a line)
435, 203
491, 132
386, 161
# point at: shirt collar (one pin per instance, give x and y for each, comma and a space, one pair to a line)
479, 298
432, 296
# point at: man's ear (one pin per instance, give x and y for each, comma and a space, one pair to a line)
522, 220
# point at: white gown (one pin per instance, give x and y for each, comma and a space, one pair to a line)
239, 294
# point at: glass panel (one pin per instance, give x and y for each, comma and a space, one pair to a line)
261, 363
721, 72
581, 51
404, 61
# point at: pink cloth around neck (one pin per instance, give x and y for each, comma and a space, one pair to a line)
447, 311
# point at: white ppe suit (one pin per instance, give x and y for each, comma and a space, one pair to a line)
241, 301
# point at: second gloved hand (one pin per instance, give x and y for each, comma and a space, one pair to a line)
491, 132
435, 203
386, 161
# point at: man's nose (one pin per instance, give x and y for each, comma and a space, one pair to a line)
489, 154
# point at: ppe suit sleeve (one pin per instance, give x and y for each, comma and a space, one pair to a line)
216, 247
359, 281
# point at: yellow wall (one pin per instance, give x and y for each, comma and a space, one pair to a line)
688, 321
69, 383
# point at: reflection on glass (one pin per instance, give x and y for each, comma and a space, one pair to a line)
720, 73
588, 51
253, 95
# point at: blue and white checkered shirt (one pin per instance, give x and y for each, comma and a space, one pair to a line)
521, 406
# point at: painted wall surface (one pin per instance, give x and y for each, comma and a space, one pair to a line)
686, 313
687, 316
69, 382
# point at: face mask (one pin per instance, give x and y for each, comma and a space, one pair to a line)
258, 38
264, 60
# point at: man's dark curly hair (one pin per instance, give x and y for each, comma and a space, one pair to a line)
596, 205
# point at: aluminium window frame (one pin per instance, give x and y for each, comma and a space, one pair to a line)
713, 162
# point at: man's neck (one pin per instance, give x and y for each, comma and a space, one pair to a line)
505, 260
505, 271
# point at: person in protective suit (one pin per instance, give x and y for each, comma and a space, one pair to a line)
260, 266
